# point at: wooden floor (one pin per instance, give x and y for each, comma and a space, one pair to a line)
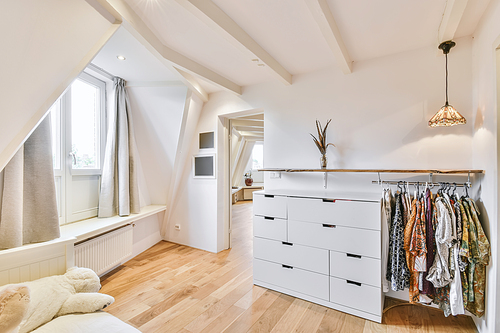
175, 288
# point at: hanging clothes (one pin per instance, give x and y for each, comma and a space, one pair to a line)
386, 223
479, 259
410, 257
427, 286
456, 300
439, 273
418, 250
397, 269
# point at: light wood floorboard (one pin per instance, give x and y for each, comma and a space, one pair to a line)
175, 288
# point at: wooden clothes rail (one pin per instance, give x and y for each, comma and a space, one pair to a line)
430, 171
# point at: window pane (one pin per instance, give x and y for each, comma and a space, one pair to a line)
258, 156
85, 105
55, 122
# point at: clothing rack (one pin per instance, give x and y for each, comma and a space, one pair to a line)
430, 182
430, 172
403, 182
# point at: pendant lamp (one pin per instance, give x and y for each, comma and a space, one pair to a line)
447, 115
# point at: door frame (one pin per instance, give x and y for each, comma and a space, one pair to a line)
224, 182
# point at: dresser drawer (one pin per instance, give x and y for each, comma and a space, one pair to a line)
361, 214
292, 278
269, 205
355, 267
334, 237
270, 227
304, 257
356, 295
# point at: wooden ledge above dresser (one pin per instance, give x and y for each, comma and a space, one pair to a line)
321, 246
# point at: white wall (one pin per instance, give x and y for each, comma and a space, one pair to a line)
379, 113
486, 67
146, 233
157, 115
38, 61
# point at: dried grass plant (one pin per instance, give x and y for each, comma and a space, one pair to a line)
320, 141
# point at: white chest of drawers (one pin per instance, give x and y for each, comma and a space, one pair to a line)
321, 247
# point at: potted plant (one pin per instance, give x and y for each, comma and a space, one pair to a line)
320, 142
248, 178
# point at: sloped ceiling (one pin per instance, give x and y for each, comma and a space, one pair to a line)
289, 33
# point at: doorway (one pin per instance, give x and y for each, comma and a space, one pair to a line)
244, 156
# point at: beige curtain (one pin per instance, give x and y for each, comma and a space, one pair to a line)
28, 212
119, 189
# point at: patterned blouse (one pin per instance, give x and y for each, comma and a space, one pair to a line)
397, 270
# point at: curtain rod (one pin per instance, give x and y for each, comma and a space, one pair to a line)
101, 71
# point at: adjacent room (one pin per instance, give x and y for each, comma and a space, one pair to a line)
249, 166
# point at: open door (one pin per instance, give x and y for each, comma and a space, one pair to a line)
245, 157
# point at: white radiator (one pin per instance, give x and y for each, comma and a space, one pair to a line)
103, 253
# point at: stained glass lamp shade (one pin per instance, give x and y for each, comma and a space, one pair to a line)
447, 115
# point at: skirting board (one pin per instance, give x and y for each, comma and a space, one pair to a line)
335, 306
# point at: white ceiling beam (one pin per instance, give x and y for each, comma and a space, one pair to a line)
154, 84
106, 10
254, 123
324, 18
169, 57
235, 132
249, 129
254, 138
220, 22
193, 84
451, 19
247, 134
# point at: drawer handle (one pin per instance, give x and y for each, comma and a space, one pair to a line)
329, 226
353, 255
268, 218
286, 266
268, 196
286, 243
329, 200
353, 282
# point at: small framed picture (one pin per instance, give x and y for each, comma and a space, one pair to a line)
207, 140
204, 166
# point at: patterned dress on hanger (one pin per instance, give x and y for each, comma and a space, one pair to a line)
480, 257
427, 286
397, 272
418, 250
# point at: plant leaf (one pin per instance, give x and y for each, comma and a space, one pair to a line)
318, 128
321, 150
324, 130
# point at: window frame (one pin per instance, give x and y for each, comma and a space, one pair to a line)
101, 123
64, 175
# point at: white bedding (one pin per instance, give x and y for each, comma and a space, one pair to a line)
86, 323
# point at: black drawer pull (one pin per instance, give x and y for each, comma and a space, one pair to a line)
329, 200
353, 255
268, 218
329, 226
268, 196
289, 267
286, 243
353, 282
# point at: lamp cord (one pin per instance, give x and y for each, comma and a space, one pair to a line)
446, 66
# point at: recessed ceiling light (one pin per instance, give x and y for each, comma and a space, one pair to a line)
261, 65
255, 59
120, 57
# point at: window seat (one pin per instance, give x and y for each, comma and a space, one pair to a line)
86, 229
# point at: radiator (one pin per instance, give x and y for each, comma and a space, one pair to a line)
103, 253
